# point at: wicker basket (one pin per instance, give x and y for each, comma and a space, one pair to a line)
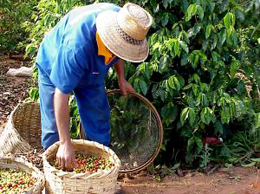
101, 182
23, 129
19, 163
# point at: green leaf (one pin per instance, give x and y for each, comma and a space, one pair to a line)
255, 159
165, 4
206, 115
164, 63
184, 5
232, 108
223, 36
177, 48
188, 86
143, 86
191, 11
171, 82
175, 167
199, 145
195, 89
191, 116
257, 120
136, 85
185, 36
165, 19
191, 143
184, 115
154, 4
34, 94
174, 83
157, 45
225, 115
215, 56
228, 20
194, 59
218, 128
208, 30
163, 147
181, 81
196, 78
169, 113
204, 100
235, 65
184, 46
184, 60
200, 12
177, 83
234, 37
249, 165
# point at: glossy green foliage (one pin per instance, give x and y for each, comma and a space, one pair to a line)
47, 15
12, 14
203, 70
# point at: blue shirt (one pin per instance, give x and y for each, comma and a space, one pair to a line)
69, 53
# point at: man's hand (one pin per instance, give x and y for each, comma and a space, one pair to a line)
65, 155
125, 87
123, 84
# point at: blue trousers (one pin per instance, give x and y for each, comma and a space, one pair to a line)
93, 109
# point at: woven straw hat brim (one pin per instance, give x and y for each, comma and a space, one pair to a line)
106, 27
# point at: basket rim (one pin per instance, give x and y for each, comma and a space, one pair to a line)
25, 165
19, 105
99, 173
160, 130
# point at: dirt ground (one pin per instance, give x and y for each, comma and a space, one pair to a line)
12, 89
235, 180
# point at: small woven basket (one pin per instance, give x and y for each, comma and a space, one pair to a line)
101, 182
19, 163
23, 129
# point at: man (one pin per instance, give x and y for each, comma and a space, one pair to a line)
75, 57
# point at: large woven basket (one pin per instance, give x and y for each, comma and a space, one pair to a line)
20, 163
101, 182
23, 129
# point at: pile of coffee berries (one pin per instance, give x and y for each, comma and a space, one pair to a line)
15, 181
86, 163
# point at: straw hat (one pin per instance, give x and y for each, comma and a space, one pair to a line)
124, 32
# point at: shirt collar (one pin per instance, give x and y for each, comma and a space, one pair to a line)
102, 50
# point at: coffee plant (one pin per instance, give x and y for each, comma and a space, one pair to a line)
12, 14
202, 73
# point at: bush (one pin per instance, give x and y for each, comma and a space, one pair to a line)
202, 74
12, 14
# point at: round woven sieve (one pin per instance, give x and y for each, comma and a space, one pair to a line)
136, 130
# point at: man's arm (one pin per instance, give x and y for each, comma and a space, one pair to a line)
123, 84
65, 154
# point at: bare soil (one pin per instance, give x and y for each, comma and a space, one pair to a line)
12, 89
235, 180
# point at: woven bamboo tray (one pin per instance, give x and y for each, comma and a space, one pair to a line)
23, 129
101, 182
157, 144
19, 163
